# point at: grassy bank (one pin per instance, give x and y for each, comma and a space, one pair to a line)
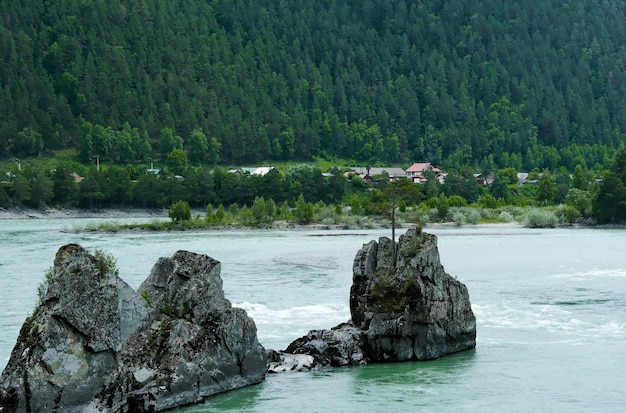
328, 217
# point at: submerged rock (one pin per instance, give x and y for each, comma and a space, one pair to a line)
410, 309
95, 344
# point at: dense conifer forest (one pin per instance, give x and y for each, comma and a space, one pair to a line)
495, 87
492, 84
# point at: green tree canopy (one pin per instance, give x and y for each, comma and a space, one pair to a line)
546, 188
177, 161
610, 203
198, 146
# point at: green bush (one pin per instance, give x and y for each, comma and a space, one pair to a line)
472, 216
458, 218
350, 221
219, 217
246, 217
208, 215
258, 212
326, 214
540, 218
431, 202
466, 215
505, 217
107, 263
456, 201
180, 211
443, 207
488, 201
568, 214
303, 211
580, 200
519, 213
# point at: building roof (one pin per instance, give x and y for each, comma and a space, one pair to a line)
392, 172
522, 177
421, 167
261, 170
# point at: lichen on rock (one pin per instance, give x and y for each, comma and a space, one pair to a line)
95, 344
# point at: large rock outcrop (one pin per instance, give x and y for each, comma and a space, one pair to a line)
95, 344
403, 309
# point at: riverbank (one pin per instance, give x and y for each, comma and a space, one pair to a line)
57, 213
158, 214
162, 214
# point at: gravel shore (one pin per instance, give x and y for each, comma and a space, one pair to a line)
28, 213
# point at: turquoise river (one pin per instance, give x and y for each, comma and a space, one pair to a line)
550, 306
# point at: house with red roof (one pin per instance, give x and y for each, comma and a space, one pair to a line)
416, 172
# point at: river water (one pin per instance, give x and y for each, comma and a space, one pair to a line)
550, 308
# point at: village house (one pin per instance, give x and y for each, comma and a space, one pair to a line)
416, 172
482, 180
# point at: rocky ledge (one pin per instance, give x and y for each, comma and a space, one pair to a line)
95, 344
403, 306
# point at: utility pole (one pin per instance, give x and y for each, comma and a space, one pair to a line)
97, 162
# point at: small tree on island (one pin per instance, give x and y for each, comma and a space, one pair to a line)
180, 211
397, 192
386, 202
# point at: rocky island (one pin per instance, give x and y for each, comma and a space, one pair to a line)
403, 306
95, 344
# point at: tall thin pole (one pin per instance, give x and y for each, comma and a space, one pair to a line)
393, 232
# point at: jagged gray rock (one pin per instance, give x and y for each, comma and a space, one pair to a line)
94, 344
410, 309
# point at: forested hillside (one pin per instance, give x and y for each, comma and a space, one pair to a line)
492, 84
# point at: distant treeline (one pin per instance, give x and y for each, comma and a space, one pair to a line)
127, 187
585, 197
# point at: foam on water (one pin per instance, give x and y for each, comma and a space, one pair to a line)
278, 327
296, 315
589, 275
549, 318
308, 261
612, 329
